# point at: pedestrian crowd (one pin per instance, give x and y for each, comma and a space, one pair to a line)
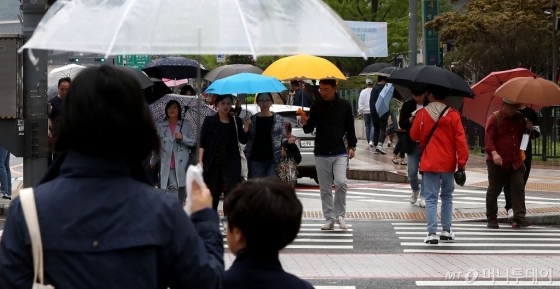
431, 135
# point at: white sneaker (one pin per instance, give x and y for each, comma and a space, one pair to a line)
447, 236
342, 224
431, 239
380, 150
370, 144
422, 202
414, 197
510, 214
329, 225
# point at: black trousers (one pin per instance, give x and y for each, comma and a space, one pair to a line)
379, 128
497, 179
507, 188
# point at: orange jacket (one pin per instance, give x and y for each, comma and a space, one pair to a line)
448, 146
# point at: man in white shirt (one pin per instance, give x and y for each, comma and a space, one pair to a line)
363, 110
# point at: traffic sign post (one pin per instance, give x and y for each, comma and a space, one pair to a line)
220, 58
431, 37
135, 61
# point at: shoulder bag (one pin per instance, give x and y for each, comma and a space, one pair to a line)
27, 199
244, 168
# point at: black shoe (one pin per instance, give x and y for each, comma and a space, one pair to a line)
521, 223
493, 224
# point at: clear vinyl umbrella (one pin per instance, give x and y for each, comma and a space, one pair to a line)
255, 27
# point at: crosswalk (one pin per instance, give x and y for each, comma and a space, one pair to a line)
400, 195
311, 237
475, 238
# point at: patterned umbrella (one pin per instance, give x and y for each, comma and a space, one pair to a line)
173, 68
190, 106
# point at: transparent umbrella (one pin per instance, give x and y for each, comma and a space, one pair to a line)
255, 27
70, 70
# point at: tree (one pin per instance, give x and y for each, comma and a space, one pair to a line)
240, 59
498, 35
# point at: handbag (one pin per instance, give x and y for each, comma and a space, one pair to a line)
287, 170
244, 168
27, 199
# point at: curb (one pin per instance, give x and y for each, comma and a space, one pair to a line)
381, 176
537, 219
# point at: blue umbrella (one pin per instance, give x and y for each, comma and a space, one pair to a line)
382, 104
245, 83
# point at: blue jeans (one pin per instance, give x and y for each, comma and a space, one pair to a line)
413, 164
264, 169
369, 126
431, 182
5, 174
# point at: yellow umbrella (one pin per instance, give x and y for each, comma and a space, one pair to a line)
301, 67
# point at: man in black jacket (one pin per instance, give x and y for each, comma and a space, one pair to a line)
412, 148
379, 121
334, 121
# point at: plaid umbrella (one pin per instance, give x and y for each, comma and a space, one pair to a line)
189, 109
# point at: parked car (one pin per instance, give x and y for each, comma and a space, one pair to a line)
305, 142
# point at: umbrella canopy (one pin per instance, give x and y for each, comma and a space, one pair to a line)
173, 82
300, 67
245, 83
140, 76
373, 68
190, 106
382, 104
232, 69
174, 68
484, 102
254, 27
156, 91
52, 91
387, 71
421, 76
70, 70
533, 90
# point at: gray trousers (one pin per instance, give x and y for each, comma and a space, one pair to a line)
173, 187
332, 170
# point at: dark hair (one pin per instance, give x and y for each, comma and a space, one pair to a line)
264, 94
170, 103
381, 78
288, 126
294, 83
438, 92
186, 88
102, 113
267, 211
64, 79
220, 97
331, 82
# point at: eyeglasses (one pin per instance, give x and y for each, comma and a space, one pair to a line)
264, 100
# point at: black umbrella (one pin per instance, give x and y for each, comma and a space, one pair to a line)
419, 76
232, 69
387, 71
156, 91
372, 68
142, 78
173, 68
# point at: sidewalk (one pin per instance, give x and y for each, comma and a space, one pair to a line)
376, 167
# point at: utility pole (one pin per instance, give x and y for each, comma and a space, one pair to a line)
34, 98
412, 32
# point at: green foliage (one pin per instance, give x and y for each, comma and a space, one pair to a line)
353, 82
240, 59
498, 35
250, 99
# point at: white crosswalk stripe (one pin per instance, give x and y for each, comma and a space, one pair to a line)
311, 236
475, 238
402, 195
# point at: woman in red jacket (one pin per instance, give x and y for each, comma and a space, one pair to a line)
440, 155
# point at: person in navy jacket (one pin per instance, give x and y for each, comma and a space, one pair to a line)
102, 224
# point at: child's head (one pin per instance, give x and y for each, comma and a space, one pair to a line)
288, 127
263, 215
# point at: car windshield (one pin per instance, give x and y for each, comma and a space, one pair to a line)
288, 116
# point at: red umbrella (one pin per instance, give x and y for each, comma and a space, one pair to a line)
484, 102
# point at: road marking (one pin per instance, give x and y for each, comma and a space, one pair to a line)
454, 225
334, 287
314, 229
318, 225
319, 240
330, 247
324, 234
479, 244
488, 239
487, 283
482, 251
518, 233
483, 229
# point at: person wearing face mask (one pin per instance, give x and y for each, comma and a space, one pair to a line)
219, 150
266, 136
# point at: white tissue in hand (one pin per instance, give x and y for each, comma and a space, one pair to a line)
194, 174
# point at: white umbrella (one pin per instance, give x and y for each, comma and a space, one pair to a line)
70, 70
255, 27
